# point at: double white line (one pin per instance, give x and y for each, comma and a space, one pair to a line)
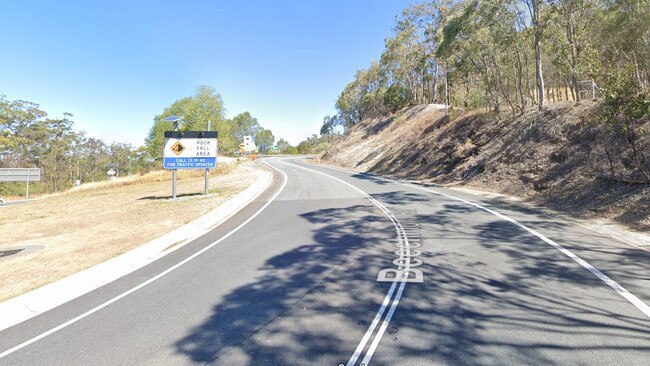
631, 298
393, 295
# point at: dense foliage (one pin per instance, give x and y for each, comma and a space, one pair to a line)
501, 53
207, 105
29, 139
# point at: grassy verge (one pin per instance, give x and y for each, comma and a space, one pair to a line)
92, 223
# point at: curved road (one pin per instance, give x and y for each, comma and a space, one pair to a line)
305, 275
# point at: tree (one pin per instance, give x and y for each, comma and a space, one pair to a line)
396, 97
534, 9
331, 125
575, 16
283, 145
264, 139
206, 105
28, 138
623, 110
120, 154
304, 147
245, 125
93, 157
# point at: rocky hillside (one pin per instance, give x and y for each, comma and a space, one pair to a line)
556, 158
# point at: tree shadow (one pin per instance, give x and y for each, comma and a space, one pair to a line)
371, 177
507, 297
10, 252
288, 278
539, 307
182, 195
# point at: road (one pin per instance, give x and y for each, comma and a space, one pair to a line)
293, 280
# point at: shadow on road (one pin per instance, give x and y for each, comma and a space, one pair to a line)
288, 279
493, 294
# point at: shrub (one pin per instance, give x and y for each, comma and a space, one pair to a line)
396, 97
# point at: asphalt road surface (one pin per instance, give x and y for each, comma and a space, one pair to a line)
305, 276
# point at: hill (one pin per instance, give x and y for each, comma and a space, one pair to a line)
556, 157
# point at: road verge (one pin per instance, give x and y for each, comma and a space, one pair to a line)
28, 305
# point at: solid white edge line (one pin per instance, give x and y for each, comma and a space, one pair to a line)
572, 221
179, 264
371, 329
631, 298
643, 307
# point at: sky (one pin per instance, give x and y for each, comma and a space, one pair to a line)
116, 64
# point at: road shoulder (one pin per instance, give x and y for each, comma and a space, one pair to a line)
35, 302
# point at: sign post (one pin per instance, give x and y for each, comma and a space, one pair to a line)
174, 184
27, 189
190, 150
207, 172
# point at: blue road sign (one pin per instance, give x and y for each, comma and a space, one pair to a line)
189, 163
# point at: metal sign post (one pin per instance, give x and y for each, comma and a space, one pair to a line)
207, 173
174, 184
27, 188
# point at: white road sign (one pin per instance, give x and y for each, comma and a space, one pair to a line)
190, 150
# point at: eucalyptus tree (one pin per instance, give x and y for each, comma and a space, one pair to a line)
265, 139
206, 105
244, 124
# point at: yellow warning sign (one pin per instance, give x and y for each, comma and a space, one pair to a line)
178, 148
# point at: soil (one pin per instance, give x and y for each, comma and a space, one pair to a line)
554, 158
53, 237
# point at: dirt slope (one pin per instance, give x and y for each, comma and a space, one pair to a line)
555, 157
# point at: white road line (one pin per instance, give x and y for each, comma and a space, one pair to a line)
143, 284
371, 329
645, 309
380, 334
391, 311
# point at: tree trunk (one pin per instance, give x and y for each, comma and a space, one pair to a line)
533, 8
539, 78
574, 54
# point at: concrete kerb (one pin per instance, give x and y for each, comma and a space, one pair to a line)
28, 305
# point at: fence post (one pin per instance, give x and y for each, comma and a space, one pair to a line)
27, 188
593, 89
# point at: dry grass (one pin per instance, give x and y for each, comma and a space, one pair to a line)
554, 158
95, 222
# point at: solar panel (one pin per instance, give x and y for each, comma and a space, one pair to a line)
172, 118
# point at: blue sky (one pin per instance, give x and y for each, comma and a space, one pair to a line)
116, 64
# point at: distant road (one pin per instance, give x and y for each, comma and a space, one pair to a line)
293, 280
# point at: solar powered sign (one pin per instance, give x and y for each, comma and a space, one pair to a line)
190, 150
